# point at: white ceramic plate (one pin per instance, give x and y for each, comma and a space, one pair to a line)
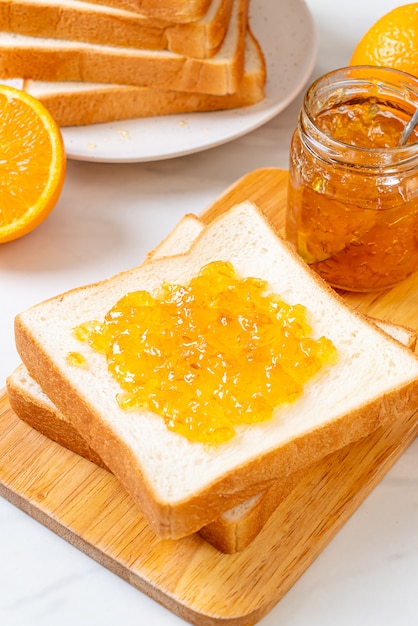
286, 32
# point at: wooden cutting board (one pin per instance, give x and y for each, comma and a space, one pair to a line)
86, 505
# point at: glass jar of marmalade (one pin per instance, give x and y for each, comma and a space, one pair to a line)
353, 191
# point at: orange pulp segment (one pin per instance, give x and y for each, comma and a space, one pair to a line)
32, 163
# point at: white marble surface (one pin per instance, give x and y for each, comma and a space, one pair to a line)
107, 218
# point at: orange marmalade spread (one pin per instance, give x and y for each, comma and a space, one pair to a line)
353, 192
364, 124
212, 355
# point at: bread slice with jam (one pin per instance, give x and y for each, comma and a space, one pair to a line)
181, 486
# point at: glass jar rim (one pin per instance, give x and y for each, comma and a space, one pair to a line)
382, 79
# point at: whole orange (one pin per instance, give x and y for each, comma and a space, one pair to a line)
392, 41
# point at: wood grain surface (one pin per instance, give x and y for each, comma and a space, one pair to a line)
85, 504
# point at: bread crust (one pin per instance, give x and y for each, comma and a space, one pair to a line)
230, 535
51, 424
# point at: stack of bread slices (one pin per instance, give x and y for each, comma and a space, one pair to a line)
228, 491
92, 61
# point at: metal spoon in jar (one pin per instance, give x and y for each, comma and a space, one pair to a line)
409, 127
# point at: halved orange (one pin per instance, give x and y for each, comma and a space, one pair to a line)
32, 163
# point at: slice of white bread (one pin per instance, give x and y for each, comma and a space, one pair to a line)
64, 60
172, 10
75, 104
75, 20
182, 486
235, 528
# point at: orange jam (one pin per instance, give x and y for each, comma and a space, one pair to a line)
210, 356
353, 193
77, 359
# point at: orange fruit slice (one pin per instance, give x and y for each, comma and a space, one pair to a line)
392, 41
32, 163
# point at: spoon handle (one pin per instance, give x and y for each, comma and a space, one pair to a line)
409, 127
